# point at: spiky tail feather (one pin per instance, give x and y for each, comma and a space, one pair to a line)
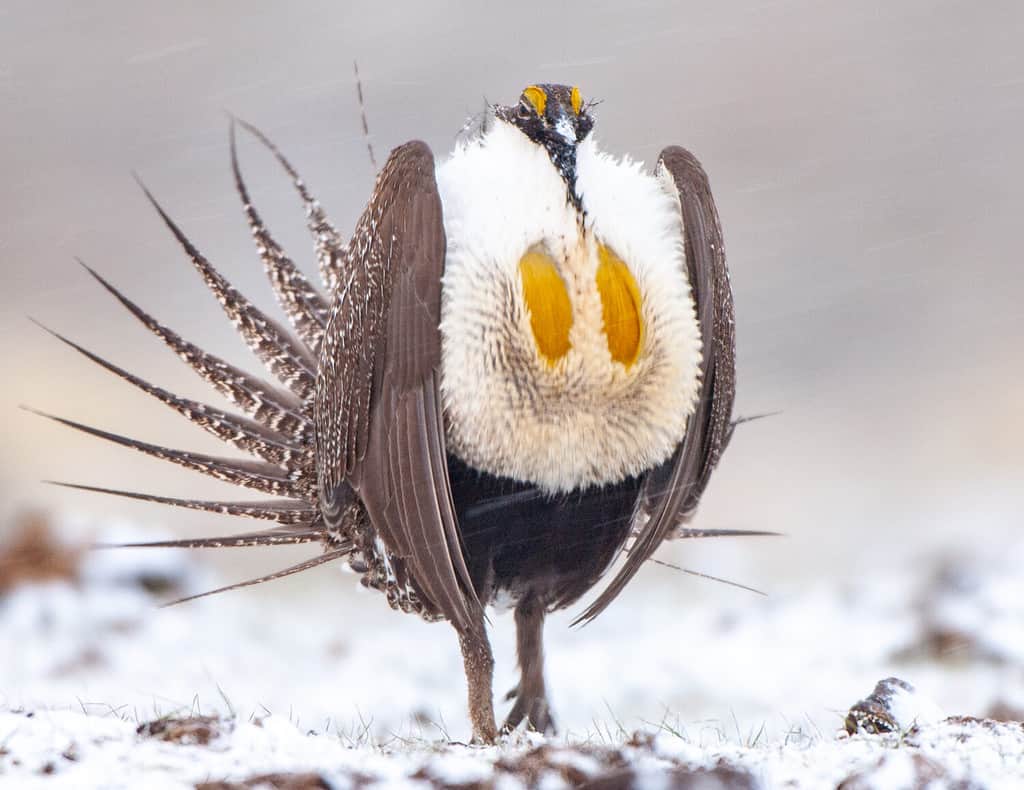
305, 565
331, 249
277, 428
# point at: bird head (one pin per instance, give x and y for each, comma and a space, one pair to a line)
554, 117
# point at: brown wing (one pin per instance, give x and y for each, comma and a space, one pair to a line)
380, 430
672, 491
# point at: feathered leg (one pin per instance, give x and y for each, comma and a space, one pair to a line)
479, 664
531, 699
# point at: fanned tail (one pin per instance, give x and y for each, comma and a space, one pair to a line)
682, 533
686, 533
276, 426
307, 310
294, 513
292, 363
331, 248
240, 432
257, 475
266, 403
267, 537
327, 556
708, 576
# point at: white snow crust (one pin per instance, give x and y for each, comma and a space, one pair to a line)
315, 678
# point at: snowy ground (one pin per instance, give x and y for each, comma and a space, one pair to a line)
312, 685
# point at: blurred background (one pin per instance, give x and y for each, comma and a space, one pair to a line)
866, 160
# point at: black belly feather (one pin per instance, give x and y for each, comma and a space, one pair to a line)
519, 539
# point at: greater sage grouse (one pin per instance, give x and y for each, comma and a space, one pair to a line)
522, 367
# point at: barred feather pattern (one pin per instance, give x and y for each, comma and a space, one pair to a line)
257, 475
245, 541
306, 308
292, 363
240, 432
288, 513
380, 571
269, 405
334, 254
384, 306
277, 428
347, 357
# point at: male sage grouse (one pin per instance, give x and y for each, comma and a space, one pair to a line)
522, 367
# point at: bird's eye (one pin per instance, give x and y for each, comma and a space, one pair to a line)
524, 110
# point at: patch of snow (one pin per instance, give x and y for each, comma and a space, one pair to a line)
909, 707
330, 681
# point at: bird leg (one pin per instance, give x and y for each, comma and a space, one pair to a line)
479, 663
531, 699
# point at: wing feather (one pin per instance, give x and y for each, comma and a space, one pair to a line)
672, 491
387, 440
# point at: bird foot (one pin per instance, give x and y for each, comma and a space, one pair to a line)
531, 707
485, 737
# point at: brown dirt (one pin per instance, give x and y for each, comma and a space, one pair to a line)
189, 730
303, 781
32, 553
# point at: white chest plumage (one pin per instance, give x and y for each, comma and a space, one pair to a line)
585, 418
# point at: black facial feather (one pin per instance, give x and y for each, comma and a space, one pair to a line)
559, 129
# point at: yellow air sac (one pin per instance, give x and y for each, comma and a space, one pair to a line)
620, 301
548, 303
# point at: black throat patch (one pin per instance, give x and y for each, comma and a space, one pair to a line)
553, 116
